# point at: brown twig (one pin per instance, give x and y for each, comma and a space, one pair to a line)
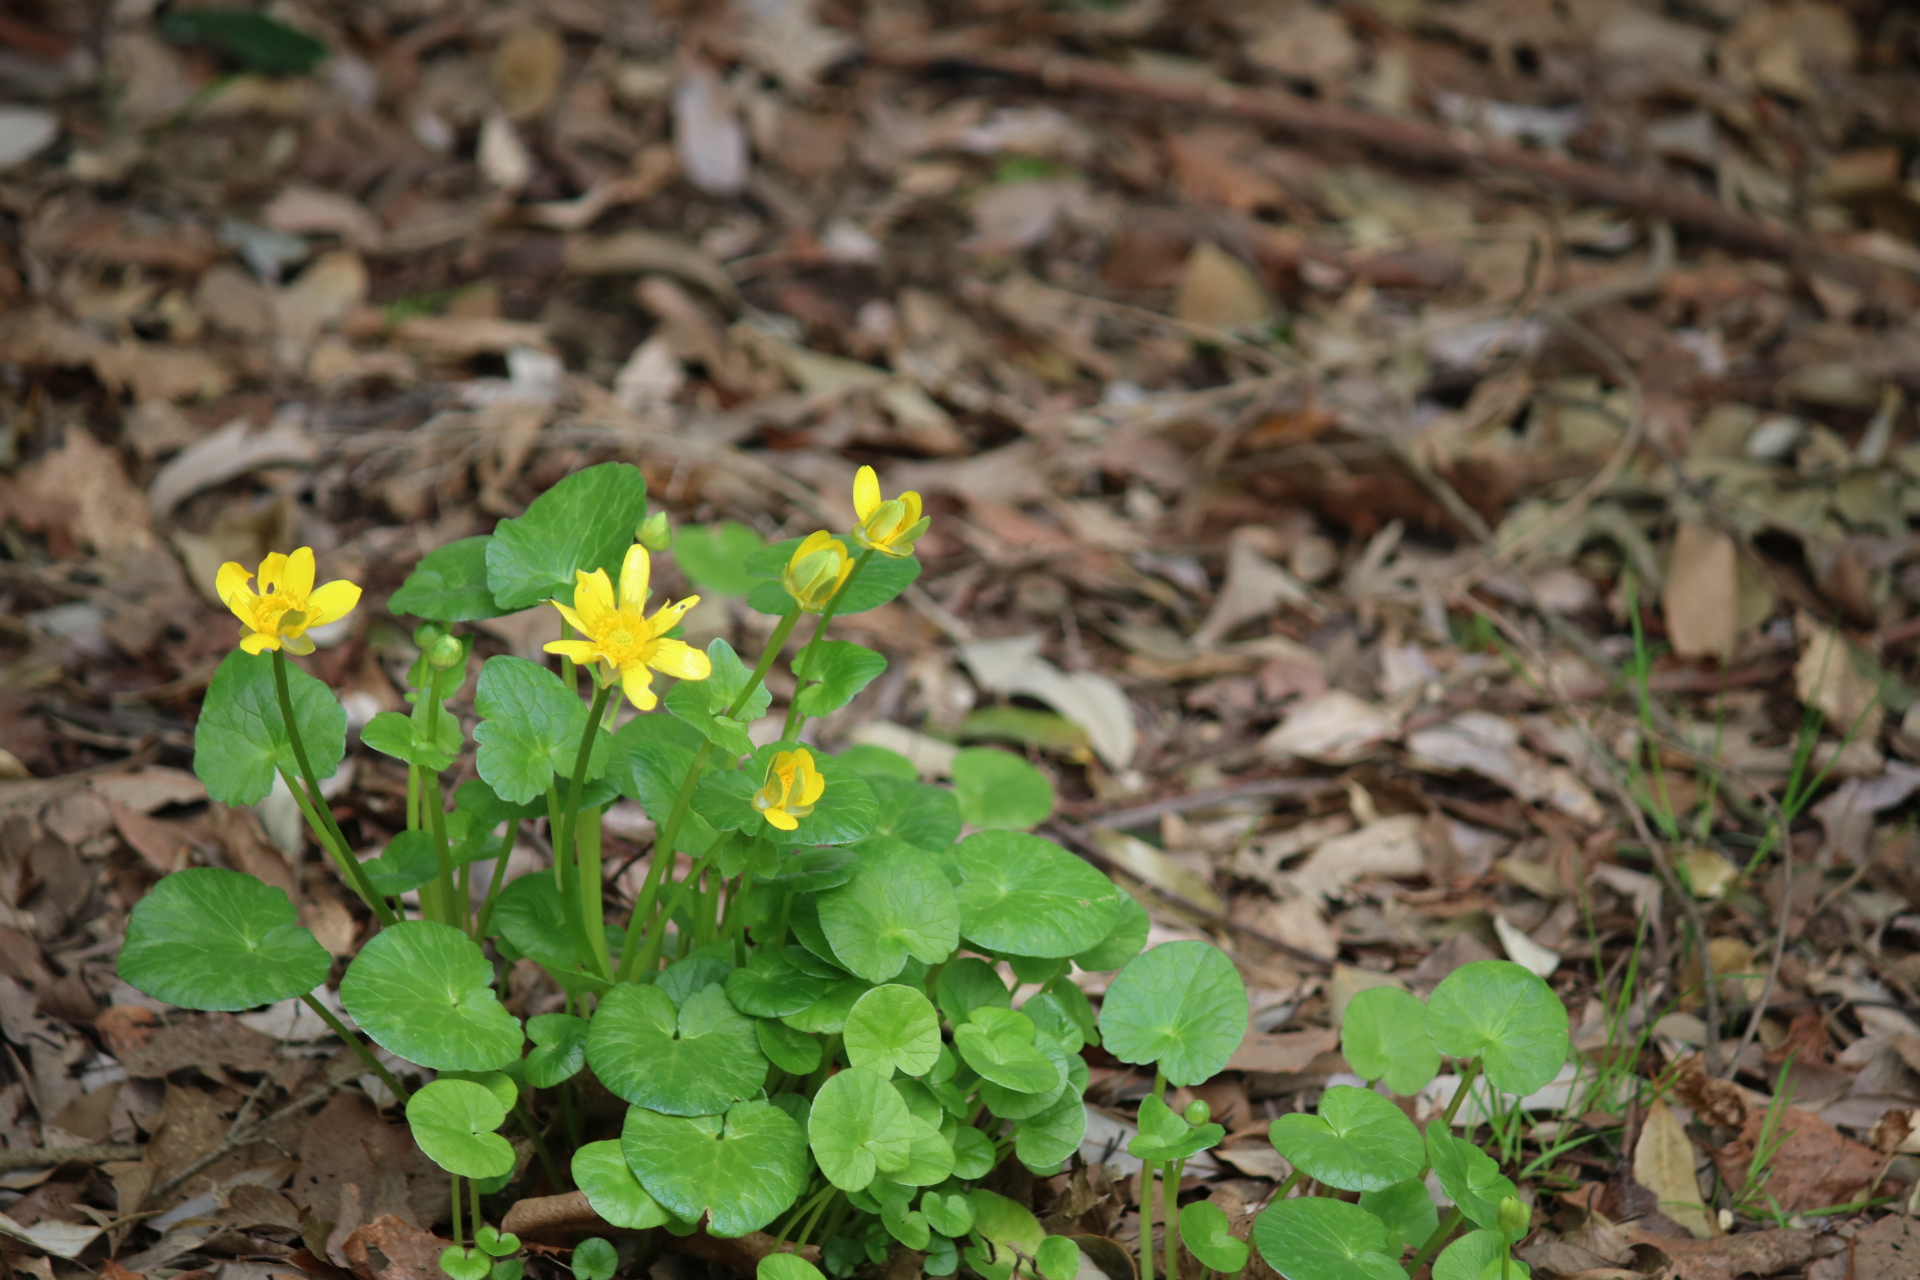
91, 1153
1410, 141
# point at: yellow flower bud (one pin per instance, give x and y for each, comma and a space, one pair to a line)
792, 788
815, 573
890, 527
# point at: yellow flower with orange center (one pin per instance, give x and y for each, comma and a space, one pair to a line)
890, 527
279, 614
792, 788
618, 635
818, 568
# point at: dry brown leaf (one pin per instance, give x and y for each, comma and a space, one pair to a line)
227, 454
1254, 587
1663, 1163
1887, 1250
109, 513
1829, 676
1218, 291
1285, 1052
1702, 595
1334, 728
526, 70
1750, 1253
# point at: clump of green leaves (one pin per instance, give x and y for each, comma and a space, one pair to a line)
813, 1028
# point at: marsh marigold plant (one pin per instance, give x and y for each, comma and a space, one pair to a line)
628, 645
287, 604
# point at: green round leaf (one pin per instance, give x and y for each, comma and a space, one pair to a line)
1024, 896
1005, 1221
595, 1259
530, 729
212, 939
925, 817
973, 1153
1181, 1005
872, 762
529, 915
1011, 1104
786, 1266
1315, 1238
1406, 1210
930, 1160
491, 1242
713, 556
1057, 1258
695, 973
408, 861
241, 737
1359, 1141
828, 1015
998, 1043
845, 813
966, 984
1049, 1138
1208, 1235
898, 904
600, 1171
449, 584
454, 1123
703, 704
560, 1049
1384, 1036
744, 1168
893, 1028
424, 991
465, 1264
999, 791
688, 1061
950, 1214
1476, 1256
794, 1052
1122, 943
584, 522
772, 986
836, 670
1468, 1175
859, 1126
392, 733
1504, 1015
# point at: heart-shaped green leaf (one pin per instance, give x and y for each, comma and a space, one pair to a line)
465, 1264
1406, 1210
241, 737
703, 703
1208, 1235
893, 1028
1384, 1036
1504, 1015
859, 1126
1476, 1256
973, 1152
998, 1043
836, 670
1315, 1238
828, 1015
772, 986
967, 983
407, 862
1359, 1141
997, 790
713, 556
600, 1171
1468, 1175
884, 578
744, 1168
595, 1259
689, 1061
844, 813
1166, 1135
1181, 1005
950, 1214
794, 1052
1122, 943
449, 584
507, 1269
394, 734
424, 991
584, 522
786, 1266
1051, 1015
898, 904
1047, 1139
1025, 896
930, 1159
684, 978
925, 817
529, 915
530, 728
454, 1123
1012, 1104
495, 1243
208, 938
1005, 1222
1057, 1258
559, 1049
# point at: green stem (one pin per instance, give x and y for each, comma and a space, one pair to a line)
356, 874
1467, 1078
1294, 1179
354, 1042
499, 879
540, 1150
1448, 1225
343, 862
794, 718
586, 845
453, 1189
1146, 1219
433, 806
1170, 1198
473, 1199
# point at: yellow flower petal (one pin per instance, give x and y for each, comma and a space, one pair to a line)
273, 570
637, 683
812, 787
782, 819
259, 642
866, 492
593, 601
297, 644
296, 581
332, 602
581, 651
568, 616
635, 571
911, 501
231, 581
668, 616
679, 659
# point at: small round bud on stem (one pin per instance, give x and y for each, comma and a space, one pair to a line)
446, 653
1514, 1218
426, 633
654, 533
1198, 1112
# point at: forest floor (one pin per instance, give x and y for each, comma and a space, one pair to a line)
1428, 480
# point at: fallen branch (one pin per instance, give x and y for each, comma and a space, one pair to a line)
91, 1153
1412, 141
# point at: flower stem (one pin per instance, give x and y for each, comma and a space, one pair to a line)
499, 878
1467, 1078
329, 829
1170, 1199
354, 1042
453, 1189
794, 717
1447, 1226
1146, 1220
433, 807
593, 934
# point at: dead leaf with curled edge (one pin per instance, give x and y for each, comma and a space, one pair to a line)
1334, 728
1094, 702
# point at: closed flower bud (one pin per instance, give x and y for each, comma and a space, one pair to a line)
1514, 1218
1197, 1112
654, 533
815, 573
446, 653
426, 633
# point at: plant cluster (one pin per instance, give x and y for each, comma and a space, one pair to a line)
812, 1024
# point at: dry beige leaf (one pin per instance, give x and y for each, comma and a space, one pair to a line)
1156, 868
707, 134
1254, 587
1391, 847
231, 452
1013, 665
1524, 951
1702, 596
335, 284
1833, 677
1483, 743
1663, 1163
1299, 922
526, 70
503, 157
1306, 43
1217, 290
1334, 728
304, 210
453, 338
109, 513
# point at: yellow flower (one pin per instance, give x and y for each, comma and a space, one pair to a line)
793, 787
286, 604
632, 645
892, 527
818, 567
